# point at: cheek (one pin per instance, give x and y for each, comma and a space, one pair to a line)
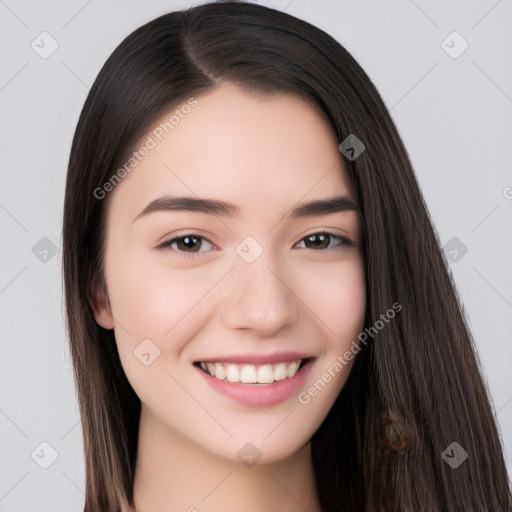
151, 301
336, 295
157, 311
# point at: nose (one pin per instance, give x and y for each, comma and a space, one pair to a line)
259, 297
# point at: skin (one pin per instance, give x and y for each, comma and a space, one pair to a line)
265, 155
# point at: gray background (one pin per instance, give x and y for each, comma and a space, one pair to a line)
455, 117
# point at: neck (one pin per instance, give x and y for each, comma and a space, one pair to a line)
175, 474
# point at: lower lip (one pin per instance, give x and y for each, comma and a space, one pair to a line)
259, 394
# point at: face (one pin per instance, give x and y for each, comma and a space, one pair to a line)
266, 290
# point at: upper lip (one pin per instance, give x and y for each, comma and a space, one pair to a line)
276, 357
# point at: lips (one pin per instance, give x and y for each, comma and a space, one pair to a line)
254, 368
258, 394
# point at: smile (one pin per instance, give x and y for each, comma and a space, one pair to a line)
257, 381
251, 373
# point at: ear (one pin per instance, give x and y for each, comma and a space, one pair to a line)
101, 305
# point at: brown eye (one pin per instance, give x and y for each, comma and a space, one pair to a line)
323, 241
319, 241
189, 243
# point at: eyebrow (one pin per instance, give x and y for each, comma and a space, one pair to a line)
221, 208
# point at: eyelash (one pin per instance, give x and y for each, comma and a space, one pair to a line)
344, 242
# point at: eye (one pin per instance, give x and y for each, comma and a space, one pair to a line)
323, 240
186, 243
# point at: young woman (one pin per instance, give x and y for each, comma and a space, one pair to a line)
259, 312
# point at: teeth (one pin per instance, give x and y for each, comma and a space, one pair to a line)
250, 373
280, 372
265, 374
232, 373
292, 369
219, 372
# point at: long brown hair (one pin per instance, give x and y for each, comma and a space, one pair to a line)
413, 390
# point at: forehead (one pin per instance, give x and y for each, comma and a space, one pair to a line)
230, 143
